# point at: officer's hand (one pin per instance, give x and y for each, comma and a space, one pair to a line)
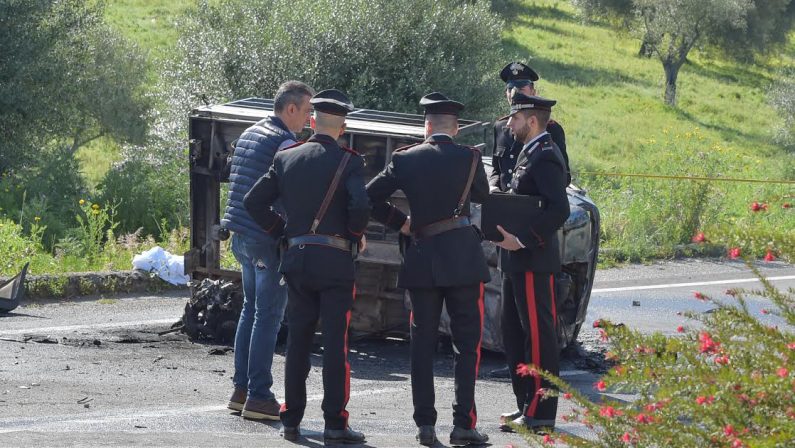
509, 241
363, 244
406, 229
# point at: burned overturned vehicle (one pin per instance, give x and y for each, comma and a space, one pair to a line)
380, 307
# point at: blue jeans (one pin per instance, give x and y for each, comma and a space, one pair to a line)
264, 300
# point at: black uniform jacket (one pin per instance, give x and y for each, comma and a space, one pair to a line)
541, 171
299, 177
506, 150
433, 175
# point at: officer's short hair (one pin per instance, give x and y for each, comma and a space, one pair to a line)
541, 115
291, 92
442, 122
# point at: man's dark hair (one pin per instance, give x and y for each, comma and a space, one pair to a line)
291, 92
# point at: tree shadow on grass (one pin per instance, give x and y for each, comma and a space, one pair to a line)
735, 74
511, 10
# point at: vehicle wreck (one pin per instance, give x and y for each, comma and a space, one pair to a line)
380, 307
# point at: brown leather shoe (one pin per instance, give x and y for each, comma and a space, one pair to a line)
237, 400
255, 409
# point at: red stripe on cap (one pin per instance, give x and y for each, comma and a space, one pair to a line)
473, 414
535, 350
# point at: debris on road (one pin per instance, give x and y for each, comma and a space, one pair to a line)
220, 350
212, 311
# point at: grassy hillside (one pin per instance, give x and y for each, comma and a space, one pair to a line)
610, 104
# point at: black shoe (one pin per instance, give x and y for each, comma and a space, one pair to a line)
345, 436
500, 373
462, 437
507, 418
290, 433
426, 435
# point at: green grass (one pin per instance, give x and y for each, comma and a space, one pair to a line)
96, 158
610, 104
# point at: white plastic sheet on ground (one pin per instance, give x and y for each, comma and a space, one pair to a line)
166, 265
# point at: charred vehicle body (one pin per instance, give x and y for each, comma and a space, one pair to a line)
380, 307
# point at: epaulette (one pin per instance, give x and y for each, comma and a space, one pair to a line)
547, 145
403, 148
350, 150
473, 148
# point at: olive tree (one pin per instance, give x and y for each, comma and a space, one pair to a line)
782, 97
66, 78
670, 29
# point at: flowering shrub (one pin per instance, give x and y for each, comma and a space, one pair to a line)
94, 221
728, 380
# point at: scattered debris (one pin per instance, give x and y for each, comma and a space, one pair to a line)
85, 400
140, 426
212, 311
67, 367
24, 387
157, 359
636, 303
220, 350
97, 342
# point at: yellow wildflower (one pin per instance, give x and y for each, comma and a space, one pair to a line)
37, 218
95, 206
82, 202
95, 212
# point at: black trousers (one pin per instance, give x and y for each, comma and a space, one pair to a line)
310, 298
465, 307
529, 329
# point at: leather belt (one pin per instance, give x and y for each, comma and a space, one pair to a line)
443, 226
320, 240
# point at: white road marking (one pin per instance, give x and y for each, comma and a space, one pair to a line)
125, 415
68, 328
684, 285
565, 373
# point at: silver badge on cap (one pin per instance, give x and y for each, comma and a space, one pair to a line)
516, 68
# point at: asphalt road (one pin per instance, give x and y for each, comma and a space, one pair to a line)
96, 372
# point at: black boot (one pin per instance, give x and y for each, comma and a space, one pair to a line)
426, 435
290, 433
461, 436
345, 436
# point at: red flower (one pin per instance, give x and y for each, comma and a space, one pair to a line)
786, 205
702, 400
734, 253
602, 335
600, 386
699, 238
626, 438
548, 439
769, 256
782, 372
765, 311
755, 206
680, 329
643, 418
737, 443
525, 370
791, 346
609, 411
699, 296
729, 430
567, 396
722, 360
708, 345
597, 323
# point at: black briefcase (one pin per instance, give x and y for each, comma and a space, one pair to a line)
514, 212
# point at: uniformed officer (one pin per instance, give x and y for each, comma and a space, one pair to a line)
321, 187
444, 263
521, 78
528, 261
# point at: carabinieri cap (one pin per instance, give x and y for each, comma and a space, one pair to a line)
436, 103
520, 101
333, 102
517, 74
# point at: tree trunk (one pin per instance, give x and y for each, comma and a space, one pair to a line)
646, 46
671, 73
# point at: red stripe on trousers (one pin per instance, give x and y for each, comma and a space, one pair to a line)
535, 349
344, 413
473, 416
554, 306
